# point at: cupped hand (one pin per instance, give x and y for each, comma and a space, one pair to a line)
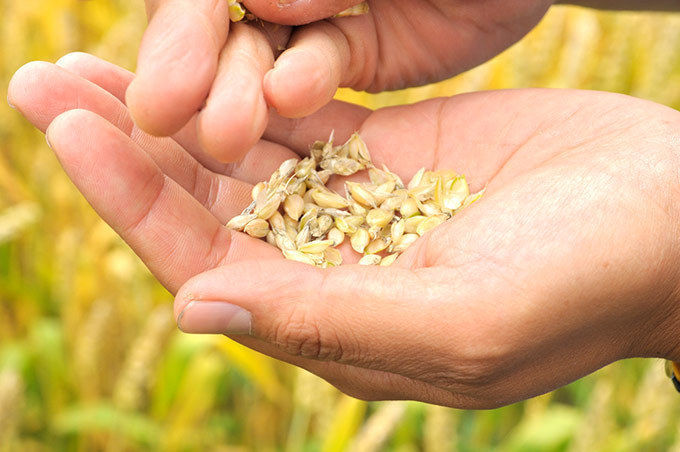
568, 262
192, 64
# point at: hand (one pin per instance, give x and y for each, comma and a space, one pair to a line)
188, 73
568, 262
191, 64
164, 196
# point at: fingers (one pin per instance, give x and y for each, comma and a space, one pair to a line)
318, 314
420, 324
306, 76
235, 114
115, 80
362, 383
107, 76
170, 231
420, 339
43, 91
297, 12
290, 318
177, 63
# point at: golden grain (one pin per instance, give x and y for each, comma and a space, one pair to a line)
293, 206
316, 246
389, 260
359, 240
370, 259
240, 221
257, 228
315, 220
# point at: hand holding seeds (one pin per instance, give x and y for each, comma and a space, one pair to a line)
567, 262
197, 71
380, 216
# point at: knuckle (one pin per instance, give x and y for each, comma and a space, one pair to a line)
481, 367
477, 364
471, 372
74, 60
301, 334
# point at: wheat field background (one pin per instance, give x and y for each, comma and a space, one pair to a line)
90, 357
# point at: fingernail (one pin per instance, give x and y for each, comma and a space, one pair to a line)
47, 138
214, 317
11, 105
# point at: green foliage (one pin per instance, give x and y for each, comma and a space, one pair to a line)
88, 363
550, 432
133, 429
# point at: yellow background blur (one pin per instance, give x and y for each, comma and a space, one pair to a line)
90, 358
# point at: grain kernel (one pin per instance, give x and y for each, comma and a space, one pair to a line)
329, 199
359, 240
337, 236
370, 259
317, 246
379, 218
409, 208
297, 256
389, 260
257, 228
429, 224
239, 222
293, 206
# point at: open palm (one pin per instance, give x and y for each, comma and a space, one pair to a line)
565, 265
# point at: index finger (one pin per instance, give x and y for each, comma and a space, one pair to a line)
177, 62
167, 227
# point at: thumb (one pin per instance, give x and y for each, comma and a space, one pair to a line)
352, 314
297, 12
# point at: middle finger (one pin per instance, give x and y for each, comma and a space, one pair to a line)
235, 113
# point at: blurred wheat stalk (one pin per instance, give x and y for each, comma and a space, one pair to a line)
90, 359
